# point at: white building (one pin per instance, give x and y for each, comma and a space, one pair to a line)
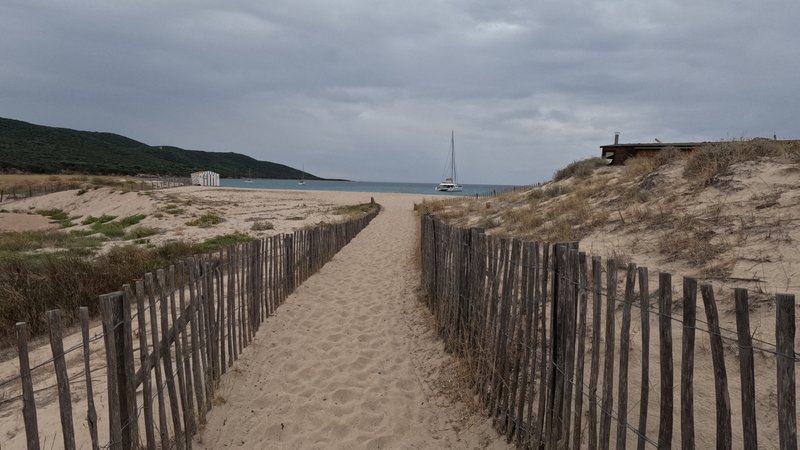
205, 178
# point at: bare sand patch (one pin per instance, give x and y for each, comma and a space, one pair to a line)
24, 222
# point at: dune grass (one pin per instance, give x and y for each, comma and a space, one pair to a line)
42, 270
207, 220
352, 211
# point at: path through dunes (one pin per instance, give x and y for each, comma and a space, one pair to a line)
350, 360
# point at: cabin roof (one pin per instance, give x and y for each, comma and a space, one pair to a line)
653, 146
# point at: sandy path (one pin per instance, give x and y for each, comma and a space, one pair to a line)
349, 361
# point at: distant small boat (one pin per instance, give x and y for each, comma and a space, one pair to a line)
302, 176
249, 177
450, 184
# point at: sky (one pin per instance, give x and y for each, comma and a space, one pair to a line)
370, 90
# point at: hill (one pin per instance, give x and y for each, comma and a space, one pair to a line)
41, 149
727, 213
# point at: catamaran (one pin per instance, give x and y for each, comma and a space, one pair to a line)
249, 176
450, 184
302, 176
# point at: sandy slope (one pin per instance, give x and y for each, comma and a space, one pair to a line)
349, 361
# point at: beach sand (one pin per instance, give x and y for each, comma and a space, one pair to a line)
350, 360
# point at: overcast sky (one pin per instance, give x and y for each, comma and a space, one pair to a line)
369, 90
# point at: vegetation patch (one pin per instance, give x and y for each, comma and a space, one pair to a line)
262, 226
132, 220
708, 163
358, 210
27, 241
582, 168
102, 219
173, 209
140, 232
109, 229
218, 242
207, 220
54, 214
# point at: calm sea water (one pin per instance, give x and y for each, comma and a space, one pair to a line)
361, 186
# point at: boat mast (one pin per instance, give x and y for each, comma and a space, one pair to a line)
453, 154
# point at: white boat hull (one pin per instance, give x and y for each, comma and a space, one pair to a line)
448, 188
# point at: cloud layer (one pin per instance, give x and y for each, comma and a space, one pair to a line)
370, 90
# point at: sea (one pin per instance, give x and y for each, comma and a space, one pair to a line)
362, 186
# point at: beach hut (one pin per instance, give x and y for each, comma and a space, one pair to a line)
205, 178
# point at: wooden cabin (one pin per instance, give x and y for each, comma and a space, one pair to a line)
618, 153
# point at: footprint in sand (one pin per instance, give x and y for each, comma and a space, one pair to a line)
343, 396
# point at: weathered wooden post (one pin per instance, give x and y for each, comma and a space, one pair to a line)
28, 403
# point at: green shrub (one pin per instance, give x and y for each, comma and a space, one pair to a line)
109, 229
102, 219
360, 209
24, 241
173, 209
140, 232
206, 220
218, 242
132, 220
261, 226
54, 214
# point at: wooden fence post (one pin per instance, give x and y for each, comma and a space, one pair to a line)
64, 398
720, 374
665, 357
144, 363
128, 372
746, 370
28, 402
785, 328
687, 363
624, 352
608, 366
644, 304
113, 354
594, 368
91, 415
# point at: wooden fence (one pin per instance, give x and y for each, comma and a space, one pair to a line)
528, 319
14, 192
167, 340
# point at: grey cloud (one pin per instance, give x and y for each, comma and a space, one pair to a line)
370, 90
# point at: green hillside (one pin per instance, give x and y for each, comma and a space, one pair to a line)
40, 149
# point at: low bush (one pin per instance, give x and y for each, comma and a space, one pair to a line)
54, 214
360, 209
132, 220
206, 220
218, 242
102, 219
262, 226
140, 232
581, 168
109, 229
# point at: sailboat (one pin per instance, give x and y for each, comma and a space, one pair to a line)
450, 184
249, 177
302, 176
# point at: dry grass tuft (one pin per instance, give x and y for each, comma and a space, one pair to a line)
708, 163
580, 169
